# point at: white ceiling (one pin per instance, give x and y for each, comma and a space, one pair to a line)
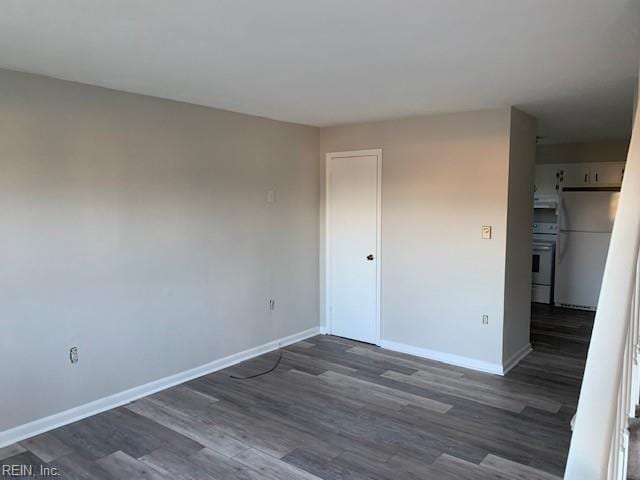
571, 63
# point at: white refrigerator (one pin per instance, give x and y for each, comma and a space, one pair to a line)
586, 218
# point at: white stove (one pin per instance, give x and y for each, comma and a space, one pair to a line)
543, 261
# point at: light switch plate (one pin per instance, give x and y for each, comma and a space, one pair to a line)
486, 232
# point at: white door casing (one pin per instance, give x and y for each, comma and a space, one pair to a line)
353, 233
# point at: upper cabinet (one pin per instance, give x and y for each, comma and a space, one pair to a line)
607, 174
591, 174
546, 179
574, 175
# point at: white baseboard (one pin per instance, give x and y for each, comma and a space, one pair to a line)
450, 358
515, 358
45, 424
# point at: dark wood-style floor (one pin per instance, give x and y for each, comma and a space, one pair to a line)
338, 409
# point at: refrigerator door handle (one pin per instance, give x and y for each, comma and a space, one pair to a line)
562, 214
561, 246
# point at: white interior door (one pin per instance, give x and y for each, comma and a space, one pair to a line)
353, 201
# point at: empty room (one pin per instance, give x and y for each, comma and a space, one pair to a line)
320, 240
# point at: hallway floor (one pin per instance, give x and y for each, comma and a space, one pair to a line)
339, 409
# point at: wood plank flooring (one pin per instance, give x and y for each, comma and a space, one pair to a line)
338, 409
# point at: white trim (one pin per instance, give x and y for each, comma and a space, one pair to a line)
515, 358
327, 244
449, 358
45, 424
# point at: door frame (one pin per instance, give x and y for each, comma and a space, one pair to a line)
327, 234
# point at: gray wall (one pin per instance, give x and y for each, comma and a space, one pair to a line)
138, 230
585, 152
444, 176
517, 292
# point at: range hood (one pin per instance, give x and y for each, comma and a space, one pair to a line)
545, 202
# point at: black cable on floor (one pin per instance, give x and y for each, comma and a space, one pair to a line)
262, 373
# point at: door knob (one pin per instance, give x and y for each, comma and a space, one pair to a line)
369, 257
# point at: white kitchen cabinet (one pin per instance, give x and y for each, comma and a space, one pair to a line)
606, 174
575, 175
551, 178
546, 179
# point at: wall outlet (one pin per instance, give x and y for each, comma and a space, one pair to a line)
485, 319
73, 355
486, 232
272, 304
271, 196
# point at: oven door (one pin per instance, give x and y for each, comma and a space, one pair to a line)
542, 264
